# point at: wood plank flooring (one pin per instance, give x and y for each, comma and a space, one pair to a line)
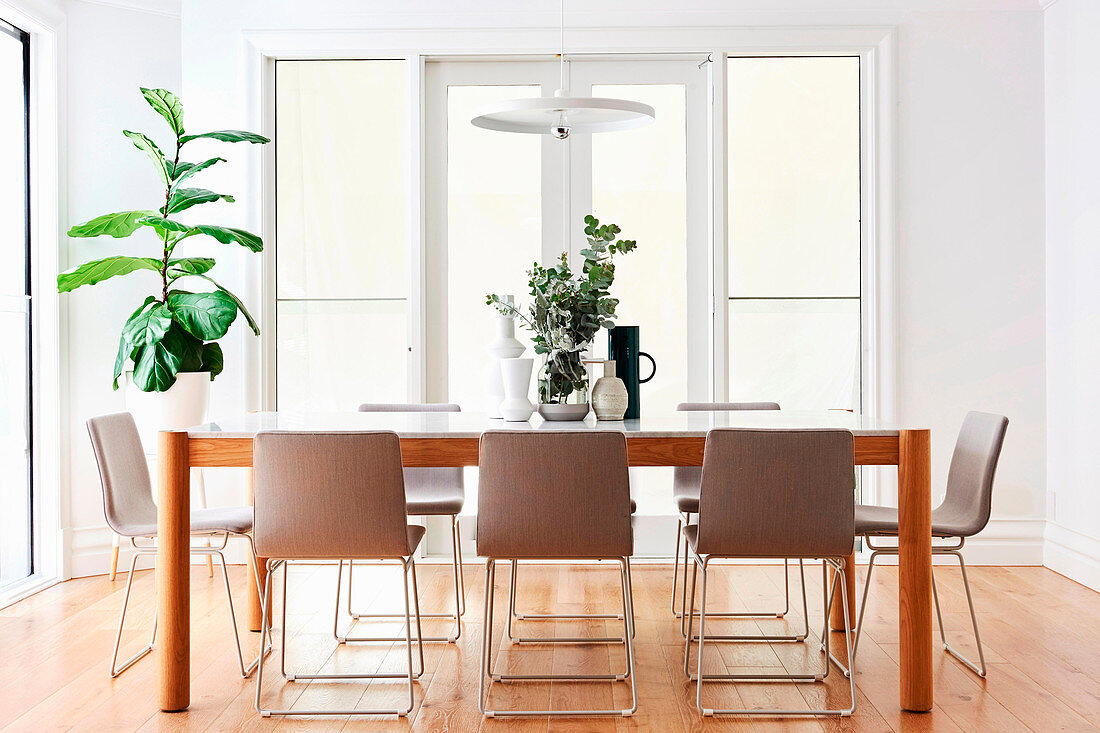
1042, 644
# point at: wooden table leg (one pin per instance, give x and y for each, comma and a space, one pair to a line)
836, 611
255, 610
915, 568
173, 572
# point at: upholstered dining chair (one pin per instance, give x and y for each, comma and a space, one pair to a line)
130, 512
554, 496
773, 494
428, 492
333, 496
685, 492
963, 513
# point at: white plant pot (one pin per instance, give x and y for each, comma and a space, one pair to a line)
516, 407
184, 405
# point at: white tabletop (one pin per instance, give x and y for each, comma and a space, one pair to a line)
472, 424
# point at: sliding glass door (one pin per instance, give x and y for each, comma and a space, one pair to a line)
16, 535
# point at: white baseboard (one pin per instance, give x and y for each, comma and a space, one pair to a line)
1005, 541
1073, 554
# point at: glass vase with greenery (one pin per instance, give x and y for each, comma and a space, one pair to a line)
567, 311
174, 330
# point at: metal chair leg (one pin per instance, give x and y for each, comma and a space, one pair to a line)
486, 669
407, 566
978, 670
460, 602
700, 678
767, 637
116, 670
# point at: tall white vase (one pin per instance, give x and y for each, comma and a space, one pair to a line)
504, 346
516, 374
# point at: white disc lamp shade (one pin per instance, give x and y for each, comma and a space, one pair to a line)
560, 115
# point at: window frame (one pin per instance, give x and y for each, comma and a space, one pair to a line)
874, 45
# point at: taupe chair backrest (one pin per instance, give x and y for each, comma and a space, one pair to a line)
321, 495
689, 475
777, 493
123, 473
553, 495
416, 478
969, 494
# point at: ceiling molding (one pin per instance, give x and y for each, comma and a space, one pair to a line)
166, 8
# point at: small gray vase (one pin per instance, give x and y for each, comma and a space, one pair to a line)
609, 397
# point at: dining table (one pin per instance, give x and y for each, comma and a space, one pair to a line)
442, 439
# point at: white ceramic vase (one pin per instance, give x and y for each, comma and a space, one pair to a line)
182, 405
609, 397
504, 346
516, 374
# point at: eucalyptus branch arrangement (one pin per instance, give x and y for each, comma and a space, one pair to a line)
174, 330
568, 310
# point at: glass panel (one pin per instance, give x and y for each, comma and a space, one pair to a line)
494, 222
15, 487
333, 355
793, 127
341, 168
639, 181
13, 181
803, 354
15, 539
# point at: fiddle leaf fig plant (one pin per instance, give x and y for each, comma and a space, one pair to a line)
174, 330
568, 310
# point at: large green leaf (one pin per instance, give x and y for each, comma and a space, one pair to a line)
213, 360
227, 136
120, 358
227, 235
156, 365
117, 225
182, 171
167, 106
148, 326
162, 225
205, 315
96, 271
240, 305
143, 143
190, 350
188, 266
185, 198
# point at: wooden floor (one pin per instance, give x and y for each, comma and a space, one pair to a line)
1042, 635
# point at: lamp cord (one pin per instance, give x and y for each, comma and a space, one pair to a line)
561, 47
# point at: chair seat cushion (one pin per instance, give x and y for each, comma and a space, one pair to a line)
685, 488
883, 520
434, 499
235, 519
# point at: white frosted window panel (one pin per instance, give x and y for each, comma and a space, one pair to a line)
639, 181
15, 561
342, 169
12, 170
793, 178
334, 355
803, 354
494, 231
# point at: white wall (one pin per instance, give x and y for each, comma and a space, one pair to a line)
111, 52
1073, 298
970, 259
